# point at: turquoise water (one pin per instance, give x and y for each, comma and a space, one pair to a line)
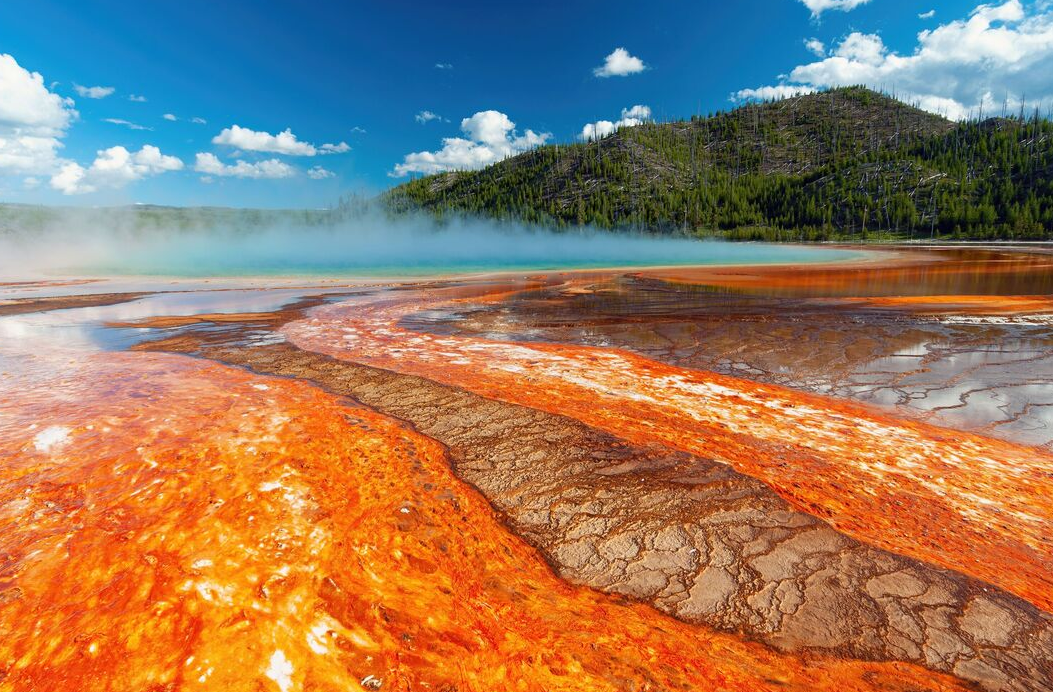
429, 258
369, 247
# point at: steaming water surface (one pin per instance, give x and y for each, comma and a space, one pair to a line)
366, 247
522, 255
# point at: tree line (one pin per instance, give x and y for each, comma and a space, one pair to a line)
844, 164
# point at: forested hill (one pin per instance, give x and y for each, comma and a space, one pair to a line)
845, 163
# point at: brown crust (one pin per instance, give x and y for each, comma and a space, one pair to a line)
24, 306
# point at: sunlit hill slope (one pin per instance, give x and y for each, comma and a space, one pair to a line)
843, 163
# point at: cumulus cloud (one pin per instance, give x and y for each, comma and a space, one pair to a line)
998, 53
210, 165
199, 121
319, 173
126, 123
27, 154
169, 116
341, 148
33, 120
927, 15
93, 92
771, 93
443, 66
597, 130
815, 47
819, 6
619, 64
490, 137
285, 142
27, 103
637, 113
426, 116
631, 117
868, 49
114, 167
137, 98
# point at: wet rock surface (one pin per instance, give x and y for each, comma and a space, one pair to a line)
988, 372
25, 306
688, 535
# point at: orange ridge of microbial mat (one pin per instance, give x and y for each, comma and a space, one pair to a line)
172, 524
955, 499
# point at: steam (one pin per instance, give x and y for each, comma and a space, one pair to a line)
212, 242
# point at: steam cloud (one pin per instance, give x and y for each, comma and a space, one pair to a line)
209, 242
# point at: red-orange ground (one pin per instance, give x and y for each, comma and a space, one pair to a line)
962, 501
170, 524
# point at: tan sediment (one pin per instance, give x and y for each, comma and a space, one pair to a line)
23, 306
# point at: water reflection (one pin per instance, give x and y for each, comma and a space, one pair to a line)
44, 340
927, 272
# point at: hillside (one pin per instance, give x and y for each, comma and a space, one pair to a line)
843, 163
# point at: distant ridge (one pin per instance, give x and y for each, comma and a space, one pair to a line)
31, 218
844, 163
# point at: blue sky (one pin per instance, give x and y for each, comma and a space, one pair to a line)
359, 73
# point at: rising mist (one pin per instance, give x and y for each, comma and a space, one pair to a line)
218, 242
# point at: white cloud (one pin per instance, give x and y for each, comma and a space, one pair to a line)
495, 130
69, 178
341, 148
199, 121
491, 136
815, 47
137, 98
443, 66
597, 130
25, 102
33, 120
93, 92
356, 130
426, 116
619, 64
210, 164
27, 154
927, 15
999, 52
113, 167
819, 6
125, 123
169, 116
631, 117
771, 93
864, 48
637, 112
284, 142
319, 173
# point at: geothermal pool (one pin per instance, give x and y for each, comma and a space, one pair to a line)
781, 476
